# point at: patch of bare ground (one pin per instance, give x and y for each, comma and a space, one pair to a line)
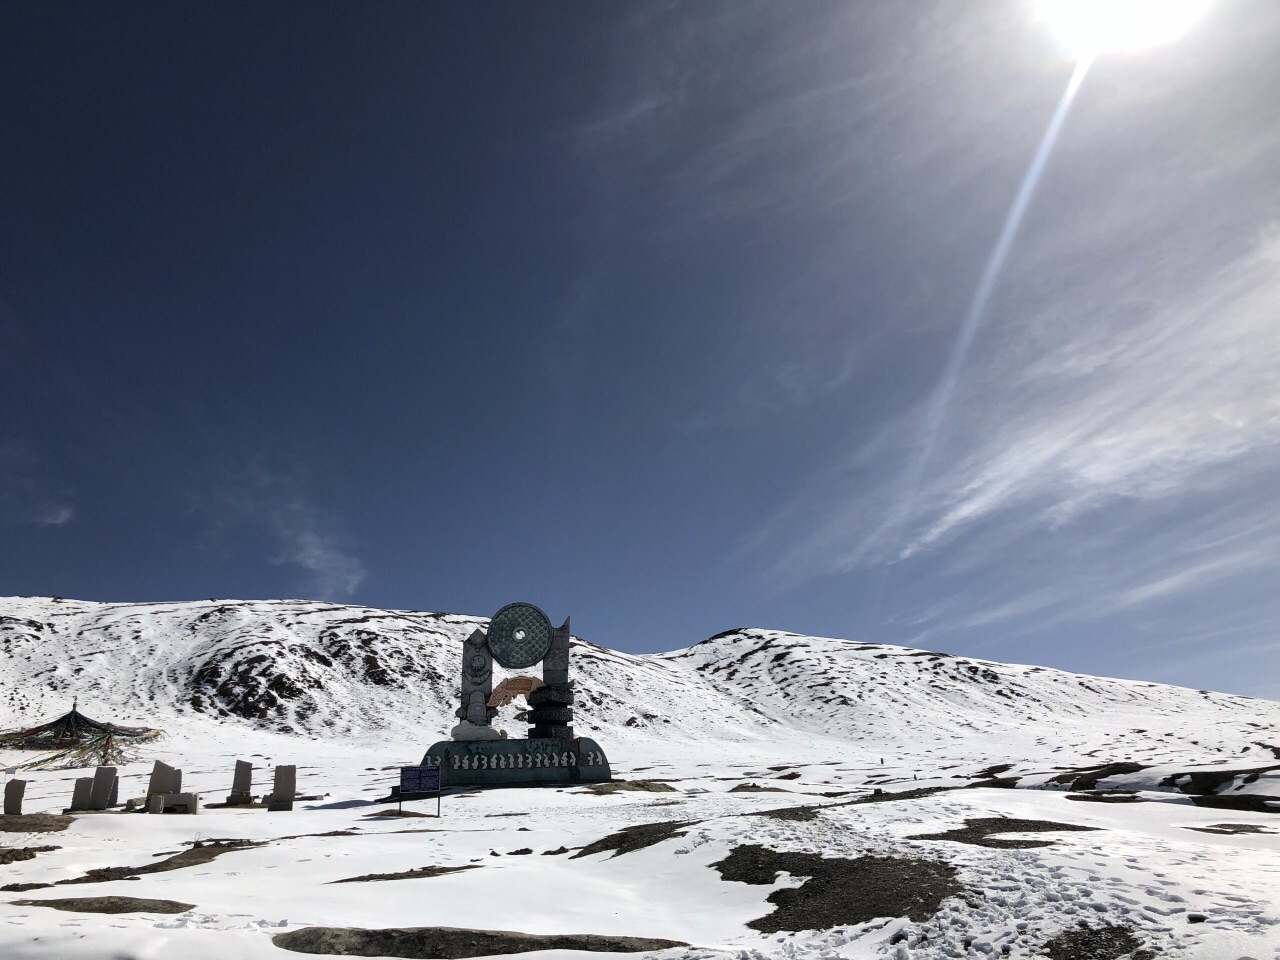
1249, 802
413, 874
1205, 782
1231, 828
109, 905
629, 839
391, 812
452, 943
841, 891
756, 788
800, 814
18, 854
808, 812
201, 852
990, 777
890, 797
979, 831
1109, 942
35, 823
1106, 796
303, 836
1086, 778
616, 786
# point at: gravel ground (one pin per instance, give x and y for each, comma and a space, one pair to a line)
450, 943
840, 891
979, 832
110, 905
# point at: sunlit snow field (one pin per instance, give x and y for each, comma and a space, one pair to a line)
820, 722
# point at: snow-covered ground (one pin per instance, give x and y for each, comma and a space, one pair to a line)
350, 693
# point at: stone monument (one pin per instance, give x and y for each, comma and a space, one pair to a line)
104, 787
81, 793
519, 636
284, 788
13, 792
164, 779
241, 785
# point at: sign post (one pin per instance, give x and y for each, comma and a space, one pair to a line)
417, 782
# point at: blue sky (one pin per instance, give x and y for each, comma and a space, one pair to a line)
638, 311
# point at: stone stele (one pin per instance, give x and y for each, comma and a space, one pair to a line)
13, 793
104, 779
241, 785
284, 788
82, 793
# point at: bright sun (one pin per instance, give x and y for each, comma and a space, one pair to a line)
1094, 27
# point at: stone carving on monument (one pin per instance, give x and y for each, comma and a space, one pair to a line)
519, 636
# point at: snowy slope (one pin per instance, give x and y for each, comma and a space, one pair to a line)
727, 737
327, 669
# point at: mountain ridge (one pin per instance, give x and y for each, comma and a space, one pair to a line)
341, 670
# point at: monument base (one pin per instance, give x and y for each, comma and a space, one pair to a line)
512, 761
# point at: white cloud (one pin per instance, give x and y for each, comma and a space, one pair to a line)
1182, 398
335, 572
51, 514
29, 496
304, 535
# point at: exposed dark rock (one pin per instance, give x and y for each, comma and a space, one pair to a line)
1107, 796
800, 814
1108, 942
1087, 778
630, 839
414, 874
1231, 828
1205, 782
201, 852
615, 786
451, 943
18, 854
979, 831
110, 905
840, 891
1251, 802
35, 823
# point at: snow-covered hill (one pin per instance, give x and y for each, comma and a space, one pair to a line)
331, 670
751, 751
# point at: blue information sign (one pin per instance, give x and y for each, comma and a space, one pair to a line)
419, 780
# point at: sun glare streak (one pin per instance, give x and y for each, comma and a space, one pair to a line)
935, 413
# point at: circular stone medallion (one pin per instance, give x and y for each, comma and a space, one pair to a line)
519, 635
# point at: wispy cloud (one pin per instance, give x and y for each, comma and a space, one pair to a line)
303, 534
801, 154
1180, 398
29, 495
305, 540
